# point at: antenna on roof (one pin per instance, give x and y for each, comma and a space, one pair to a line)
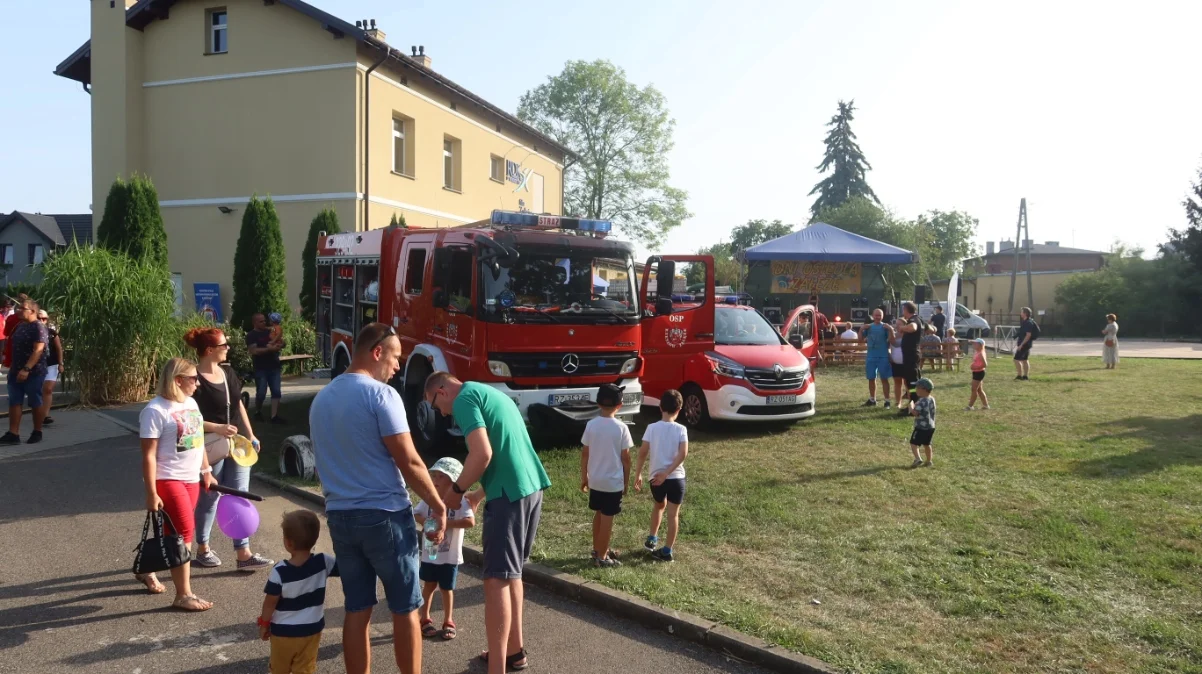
1022, 234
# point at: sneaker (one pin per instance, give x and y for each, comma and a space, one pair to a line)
970, 408
663, 555
1018, 378
927, 464
886, 404
987, 407
255, 563
278, 420
871, 403
916, 464
1026, 378
206, 560
47, 420
10, 438
258, 415
650, 543
34, 437
903, 412
604, 562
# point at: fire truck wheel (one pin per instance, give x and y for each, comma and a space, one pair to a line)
696, 413
341, 363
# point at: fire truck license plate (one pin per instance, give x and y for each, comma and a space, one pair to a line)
561, 398
782, 400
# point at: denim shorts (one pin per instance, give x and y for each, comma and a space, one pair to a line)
29, 391
267, 379
374, 544
443, 574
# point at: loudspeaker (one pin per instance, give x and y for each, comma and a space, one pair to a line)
920, 294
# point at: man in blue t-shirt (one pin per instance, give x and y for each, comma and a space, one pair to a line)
876, 362
365, 458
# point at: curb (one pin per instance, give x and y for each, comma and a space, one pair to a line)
676, 623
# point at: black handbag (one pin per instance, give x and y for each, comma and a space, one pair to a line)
162, 552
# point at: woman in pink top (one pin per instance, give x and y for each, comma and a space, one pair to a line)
978, 375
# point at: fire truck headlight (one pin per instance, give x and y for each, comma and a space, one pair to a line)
498, 368
630, 366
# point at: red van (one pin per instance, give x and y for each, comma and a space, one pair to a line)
727, 360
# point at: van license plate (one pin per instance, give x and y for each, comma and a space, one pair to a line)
782, 400
556, 399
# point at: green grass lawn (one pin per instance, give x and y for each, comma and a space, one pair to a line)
1060, 531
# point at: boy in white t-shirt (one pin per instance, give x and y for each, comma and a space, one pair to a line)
667, 443
441, 573
605, 471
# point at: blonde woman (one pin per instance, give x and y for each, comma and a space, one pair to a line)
174, 467
1110, 342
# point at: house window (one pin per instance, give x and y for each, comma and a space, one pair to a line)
450, 163
6, 253
398, 145
37, 254
415, 271
497, 170
218, 35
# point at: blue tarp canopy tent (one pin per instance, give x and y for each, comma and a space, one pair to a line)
821, 242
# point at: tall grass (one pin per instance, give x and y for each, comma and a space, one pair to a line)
118, 315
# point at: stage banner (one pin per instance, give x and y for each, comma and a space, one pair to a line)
803, 278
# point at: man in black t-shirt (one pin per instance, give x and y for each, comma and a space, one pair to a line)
265, 356
939, 320
28, 371
1028, 332
911, 336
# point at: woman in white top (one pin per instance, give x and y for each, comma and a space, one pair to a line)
174, 467
1110, 342
895, 357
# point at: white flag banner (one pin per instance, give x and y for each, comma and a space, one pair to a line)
951, 301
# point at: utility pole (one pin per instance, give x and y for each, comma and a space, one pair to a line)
1021, 236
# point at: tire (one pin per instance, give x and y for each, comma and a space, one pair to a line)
341, 363
695, 412
427, 426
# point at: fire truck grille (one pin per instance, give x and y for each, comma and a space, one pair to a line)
766, 380
564, 363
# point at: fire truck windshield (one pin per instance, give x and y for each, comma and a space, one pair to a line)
548, 286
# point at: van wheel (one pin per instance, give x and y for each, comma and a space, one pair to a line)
695, 413
341, 363
426, 425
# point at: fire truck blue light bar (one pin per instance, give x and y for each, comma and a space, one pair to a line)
515, 219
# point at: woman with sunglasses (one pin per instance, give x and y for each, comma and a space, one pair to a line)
174, 468
218, 394
54, 366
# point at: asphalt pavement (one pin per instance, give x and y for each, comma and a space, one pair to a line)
70, 517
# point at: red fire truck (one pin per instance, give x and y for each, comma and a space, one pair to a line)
515, 301
725, 358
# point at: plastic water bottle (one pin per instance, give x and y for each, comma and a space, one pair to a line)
429, 547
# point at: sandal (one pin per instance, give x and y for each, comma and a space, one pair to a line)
428, 629
192, 604
151, 581
516, 662
448, 630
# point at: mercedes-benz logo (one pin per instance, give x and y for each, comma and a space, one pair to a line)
570, 363
778, 371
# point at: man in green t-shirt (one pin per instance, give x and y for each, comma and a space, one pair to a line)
501, 456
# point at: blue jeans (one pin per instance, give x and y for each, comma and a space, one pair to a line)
265, 379
374, 544
228, 474
29, 390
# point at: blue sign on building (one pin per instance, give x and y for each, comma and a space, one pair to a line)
513, 171
208, 300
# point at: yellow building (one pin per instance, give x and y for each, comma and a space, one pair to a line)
223, 99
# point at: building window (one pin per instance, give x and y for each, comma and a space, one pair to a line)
415, 271
37, 254
450, 163
6, 253
218, 35
398, 145
497, 170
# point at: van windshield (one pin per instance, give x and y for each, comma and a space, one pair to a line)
740, 327
568, 286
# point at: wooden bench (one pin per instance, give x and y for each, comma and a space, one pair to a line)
296, 357
841, 351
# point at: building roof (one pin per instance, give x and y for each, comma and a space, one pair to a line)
826, 243
78, 66
59, 229
1043, 249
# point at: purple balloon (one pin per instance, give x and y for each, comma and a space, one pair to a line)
236, 516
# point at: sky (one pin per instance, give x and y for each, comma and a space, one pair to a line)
1088, 110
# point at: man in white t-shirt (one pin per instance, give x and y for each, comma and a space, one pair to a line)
849, 333
605, 471
667, 444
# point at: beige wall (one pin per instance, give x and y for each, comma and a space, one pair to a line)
201, 242
976, 294
117, 59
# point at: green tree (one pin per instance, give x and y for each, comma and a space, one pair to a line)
398, 221
846, 162
132, 222
326, 221
259, 267
945, 238
756, 232
1188, 242
726, 268
622, 136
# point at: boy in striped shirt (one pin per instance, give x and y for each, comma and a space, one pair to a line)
294, 608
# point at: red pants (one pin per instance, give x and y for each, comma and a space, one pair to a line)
179, 502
